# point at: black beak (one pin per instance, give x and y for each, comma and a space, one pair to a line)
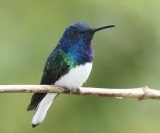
101, 28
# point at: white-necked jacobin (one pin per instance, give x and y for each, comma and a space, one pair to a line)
69, 65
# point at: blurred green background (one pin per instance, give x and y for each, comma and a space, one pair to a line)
126, 56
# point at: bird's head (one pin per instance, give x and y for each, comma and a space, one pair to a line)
80, 33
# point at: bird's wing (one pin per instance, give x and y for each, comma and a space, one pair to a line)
57, 65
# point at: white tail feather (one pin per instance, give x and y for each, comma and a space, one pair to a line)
42, 108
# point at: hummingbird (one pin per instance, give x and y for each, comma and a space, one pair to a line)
69, 65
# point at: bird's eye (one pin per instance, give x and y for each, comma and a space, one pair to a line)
77, 32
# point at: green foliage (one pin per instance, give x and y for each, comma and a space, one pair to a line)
126, 56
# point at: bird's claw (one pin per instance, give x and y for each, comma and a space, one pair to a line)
78, 91
67, 90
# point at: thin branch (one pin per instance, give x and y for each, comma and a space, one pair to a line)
140, 93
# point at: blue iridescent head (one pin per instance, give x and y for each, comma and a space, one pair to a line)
80, 33
76, 41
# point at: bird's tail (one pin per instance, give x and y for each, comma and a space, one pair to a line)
42, 109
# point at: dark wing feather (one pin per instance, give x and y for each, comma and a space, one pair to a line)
36, 99
55, 67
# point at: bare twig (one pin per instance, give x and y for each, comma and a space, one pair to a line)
140, 93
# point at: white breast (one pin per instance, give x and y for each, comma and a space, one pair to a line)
75, 77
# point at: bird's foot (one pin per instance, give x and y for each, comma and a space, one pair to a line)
78, 91
67, 90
